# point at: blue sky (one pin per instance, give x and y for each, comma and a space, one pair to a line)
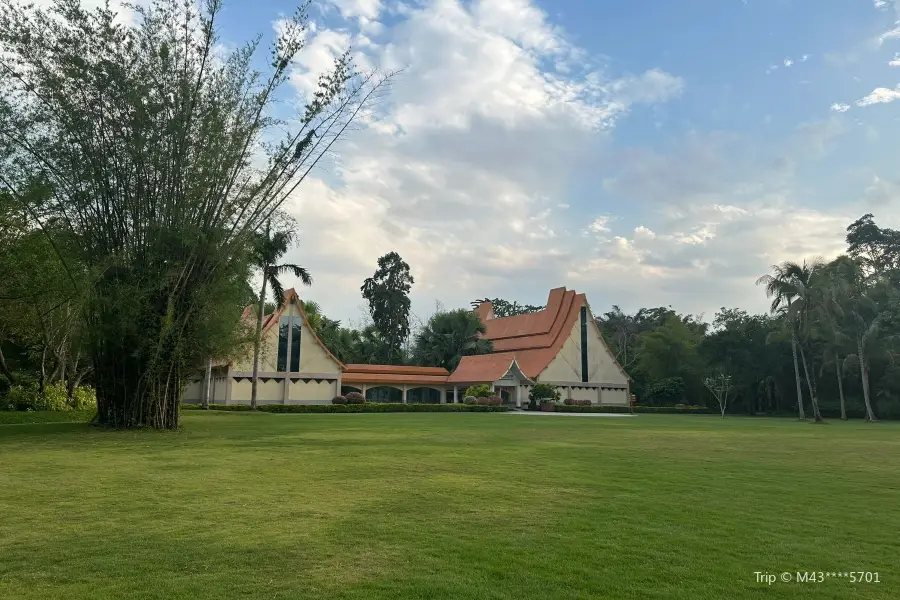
646, 153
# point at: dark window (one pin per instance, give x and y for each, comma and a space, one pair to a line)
284, 325
584, 344
295, 344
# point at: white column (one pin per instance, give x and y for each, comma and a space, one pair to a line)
207, 384
364, 390
455, 396
444, 394
599, 395
518, 396
569, 392
404, 393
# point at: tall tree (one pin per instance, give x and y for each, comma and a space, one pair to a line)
268, 248
447, 337
789, 290
387, 293
159, 159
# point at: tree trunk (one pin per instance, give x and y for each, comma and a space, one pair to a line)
257, 342
864, 373
840, 380
817, 416
207, 384
797, 376
4, 368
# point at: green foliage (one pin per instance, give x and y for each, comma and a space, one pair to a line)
447, 337
482, 390
543, 392
503, 308
666, 391
673, 410
470, 400
157, 161
371, 407
28, 397
387, 294
573, 402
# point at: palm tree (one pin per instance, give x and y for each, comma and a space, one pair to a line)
857, 312
792, 295
268, 248
314, 316
448, 336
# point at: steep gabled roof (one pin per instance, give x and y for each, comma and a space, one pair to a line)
486, 368
360, 373
290, 296
533, 339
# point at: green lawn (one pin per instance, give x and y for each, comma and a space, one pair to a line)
455, 506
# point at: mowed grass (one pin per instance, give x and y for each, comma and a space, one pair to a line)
453, 506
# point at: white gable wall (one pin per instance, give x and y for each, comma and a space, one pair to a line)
566, 366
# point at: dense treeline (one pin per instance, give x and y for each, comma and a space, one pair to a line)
831, 339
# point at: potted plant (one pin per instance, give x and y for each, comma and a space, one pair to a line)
544, 395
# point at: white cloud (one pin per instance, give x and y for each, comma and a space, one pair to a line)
881, 4
788, 62
895, 62
600, 225
366, 9
880, 96
891, 34
466, 170
651, 87
882, 193
805, 57
840, 107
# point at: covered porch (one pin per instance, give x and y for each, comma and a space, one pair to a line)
505, 377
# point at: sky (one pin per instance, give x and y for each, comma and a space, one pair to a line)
645, 153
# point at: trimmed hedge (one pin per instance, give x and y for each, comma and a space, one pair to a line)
679, 410
374, 407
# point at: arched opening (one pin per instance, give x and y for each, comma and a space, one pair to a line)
423, 395
383, 393
346, 389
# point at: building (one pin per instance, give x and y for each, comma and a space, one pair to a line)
560, 345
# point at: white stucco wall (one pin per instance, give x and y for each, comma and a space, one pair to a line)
566, 366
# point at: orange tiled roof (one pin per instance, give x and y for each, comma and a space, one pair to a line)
357, 373
533, 339
482, 368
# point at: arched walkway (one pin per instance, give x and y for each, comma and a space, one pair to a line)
384, 393
424, 395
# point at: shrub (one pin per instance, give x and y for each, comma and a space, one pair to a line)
496, 401
666, 391
470, 400
355, 398
482, 401
482, 390
683, 410
84, 397
543, 392
369, 407
339, 400
573, 402
27, 396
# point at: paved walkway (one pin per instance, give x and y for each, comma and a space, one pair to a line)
565, 414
